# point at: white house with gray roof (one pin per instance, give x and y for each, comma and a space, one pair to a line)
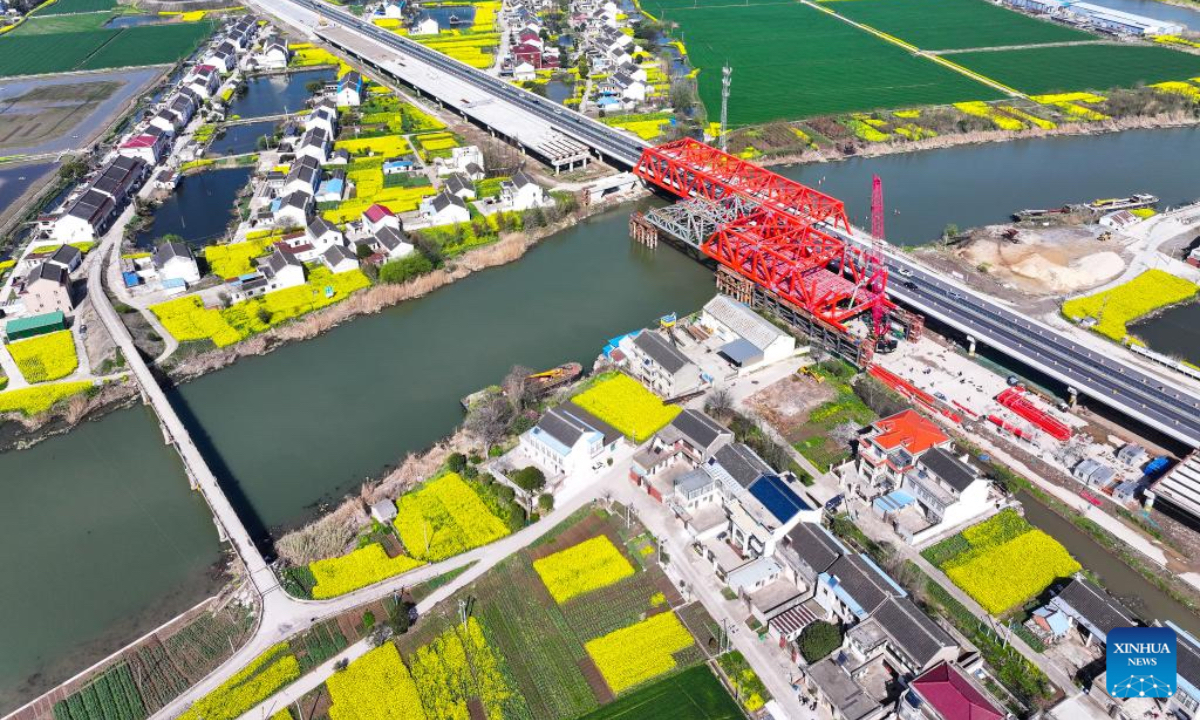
444, 209
520, 193
175, 263
750, 340
659, 365
569, 440
941, 493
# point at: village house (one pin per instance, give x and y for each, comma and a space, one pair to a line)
292, 210
940, 493
377, 216
324, 117
390, 242
332, 188
444, 209
899, 639
148, 147
1091, 611
175, 263
524, 72
460, 161
569, 440
853, 587
90, 214
890, 448
48, 289
204, 81
398, 166
315, 144
659, 365
520, 193
222, 56
349, 90
274, 55
1186, 700
946, 692
425, 26
692, 437
460, 186
282, 270
303, 176
69, 257
807, 551
840, 693
338, 259
322, 234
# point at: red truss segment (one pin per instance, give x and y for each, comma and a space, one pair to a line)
780, 243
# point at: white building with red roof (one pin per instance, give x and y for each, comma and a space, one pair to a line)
146, 146
378, 217
892, 445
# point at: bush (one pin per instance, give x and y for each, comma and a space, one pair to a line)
818, 640
404, 269
457, 462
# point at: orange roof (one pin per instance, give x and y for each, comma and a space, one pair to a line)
910, 430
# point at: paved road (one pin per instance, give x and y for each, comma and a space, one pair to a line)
1107, 377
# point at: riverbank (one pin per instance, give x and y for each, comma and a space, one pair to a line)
838, 153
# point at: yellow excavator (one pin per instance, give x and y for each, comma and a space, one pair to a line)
809, 372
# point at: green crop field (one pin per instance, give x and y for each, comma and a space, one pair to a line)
54, 24
694, 694
1080, 67
832, 67
36, 53
66, 7
150, 45
955, 24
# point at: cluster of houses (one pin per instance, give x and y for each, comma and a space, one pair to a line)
610, 49
531, 49
909, 471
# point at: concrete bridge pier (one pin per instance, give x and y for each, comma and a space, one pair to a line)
224, 536
970, 346
1072, 396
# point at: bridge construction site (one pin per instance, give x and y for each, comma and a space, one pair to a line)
779, 246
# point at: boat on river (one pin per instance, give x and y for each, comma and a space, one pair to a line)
541, 383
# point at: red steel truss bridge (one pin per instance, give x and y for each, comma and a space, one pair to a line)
769, 229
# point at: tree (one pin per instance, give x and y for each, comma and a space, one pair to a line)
312, 87
489, 420
719, 402
545, 503
457, 462
818, 640
529, 479
517, 387
363, 251
264, 315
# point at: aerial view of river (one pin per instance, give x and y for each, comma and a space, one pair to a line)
276, 94
307, 423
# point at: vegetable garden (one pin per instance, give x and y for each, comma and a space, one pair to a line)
1080, 67
35, 54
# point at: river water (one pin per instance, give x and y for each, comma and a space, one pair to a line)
307, 423
276, 94
982, 184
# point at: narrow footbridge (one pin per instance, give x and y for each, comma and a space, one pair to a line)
199, 474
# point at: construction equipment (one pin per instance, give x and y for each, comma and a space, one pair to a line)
809, 372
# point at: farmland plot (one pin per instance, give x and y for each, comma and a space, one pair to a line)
1080, 67
838, 68
955, 24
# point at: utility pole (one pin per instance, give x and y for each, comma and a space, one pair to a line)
462, 612
726, 77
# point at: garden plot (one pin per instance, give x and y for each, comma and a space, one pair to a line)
1080, 67
1002, 562
955, 24
838, 68
627, 405
694, 694
445, 517
32, 53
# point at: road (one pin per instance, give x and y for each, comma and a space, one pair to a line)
613, 144
1106, 377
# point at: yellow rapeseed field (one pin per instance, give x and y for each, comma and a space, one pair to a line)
1113, 309
45, 357
627, 405
582, 568
632, 655
377, 686
444, 517
365, 566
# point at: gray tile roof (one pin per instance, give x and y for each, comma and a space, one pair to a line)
443, 200
389, 237
457, 183
66, 255
53, 272
337, 254
698, 429
864, 583
956, 473
1095, 606
742, 463
170, 250
319, 226
815, 546
278, 261
842, 691
661, 352
912, 632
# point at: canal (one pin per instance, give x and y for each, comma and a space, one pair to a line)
303, 425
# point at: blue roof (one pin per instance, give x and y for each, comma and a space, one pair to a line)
893, 501
174, 283
777, 497
398, 163
333, 185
